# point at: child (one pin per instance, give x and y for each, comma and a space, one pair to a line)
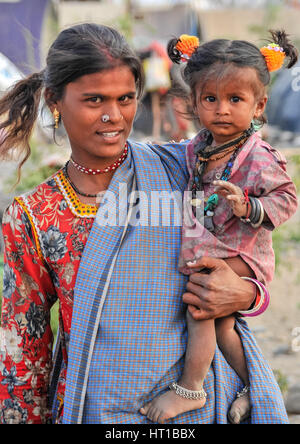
228, 81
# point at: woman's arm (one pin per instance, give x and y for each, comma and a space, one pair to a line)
26, 336
219, 293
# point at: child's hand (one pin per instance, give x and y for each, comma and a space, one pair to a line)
234, 195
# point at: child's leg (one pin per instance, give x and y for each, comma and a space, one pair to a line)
231, 346
199, 355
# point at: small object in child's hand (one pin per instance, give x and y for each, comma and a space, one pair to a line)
191, 263
204, 270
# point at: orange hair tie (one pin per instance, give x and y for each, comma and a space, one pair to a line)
274, 56
186, 45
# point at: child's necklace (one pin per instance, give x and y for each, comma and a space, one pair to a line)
218, 156
211, 203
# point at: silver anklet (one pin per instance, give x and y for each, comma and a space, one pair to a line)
243, 392
186, 393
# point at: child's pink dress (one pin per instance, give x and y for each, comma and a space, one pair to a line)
262, 170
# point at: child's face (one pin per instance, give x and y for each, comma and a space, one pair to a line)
227, 106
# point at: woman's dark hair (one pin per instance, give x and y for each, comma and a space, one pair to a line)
213, 57
77, 51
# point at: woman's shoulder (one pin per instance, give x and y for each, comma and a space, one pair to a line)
44, 193
172, 149
37, 200
171, 155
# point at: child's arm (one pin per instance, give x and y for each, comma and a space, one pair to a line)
239, 266
235, 197
266, 175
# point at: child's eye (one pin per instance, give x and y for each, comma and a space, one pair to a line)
210, 99
235, 99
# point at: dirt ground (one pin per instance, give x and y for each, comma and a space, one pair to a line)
274, 329
278, 330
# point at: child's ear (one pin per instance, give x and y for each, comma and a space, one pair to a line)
260, 106
192, 102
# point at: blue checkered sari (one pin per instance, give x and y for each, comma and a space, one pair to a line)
128, 334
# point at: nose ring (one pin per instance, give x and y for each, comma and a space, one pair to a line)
105, 118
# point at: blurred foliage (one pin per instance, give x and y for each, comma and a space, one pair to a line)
54, 316
295, 159
45, 159
125, 26
282, 241
32, 177
285, 237
282, 381
271, 13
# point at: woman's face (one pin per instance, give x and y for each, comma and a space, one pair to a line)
110, 92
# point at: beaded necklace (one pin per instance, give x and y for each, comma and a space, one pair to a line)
212, 201
81, 193
111, 167
77, 208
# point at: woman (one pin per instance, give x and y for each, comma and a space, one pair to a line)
82, 237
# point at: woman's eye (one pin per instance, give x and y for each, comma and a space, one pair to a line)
95, 99
126, 98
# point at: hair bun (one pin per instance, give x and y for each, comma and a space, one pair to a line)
274, 56
279, 47
186, 45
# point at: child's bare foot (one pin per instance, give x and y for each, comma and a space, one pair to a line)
240, 408
171, 404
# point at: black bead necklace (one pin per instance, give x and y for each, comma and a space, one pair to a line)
197, 185
81, 193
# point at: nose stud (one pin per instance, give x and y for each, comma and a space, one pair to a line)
105, 118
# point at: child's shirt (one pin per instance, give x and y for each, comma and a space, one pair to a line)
262, 170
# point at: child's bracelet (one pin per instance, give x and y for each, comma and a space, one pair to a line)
255, 213
261, 302
261, 214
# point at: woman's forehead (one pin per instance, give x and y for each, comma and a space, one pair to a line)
107, 82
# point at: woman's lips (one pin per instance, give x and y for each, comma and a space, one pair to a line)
111, 136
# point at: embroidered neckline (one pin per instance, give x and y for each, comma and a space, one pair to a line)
77, 208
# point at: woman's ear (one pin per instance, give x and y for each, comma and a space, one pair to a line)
50, 100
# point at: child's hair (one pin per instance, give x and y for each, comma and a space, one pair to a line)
217, 57
77, 51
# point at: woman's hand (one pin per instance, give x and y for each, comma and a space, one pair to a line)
217, 294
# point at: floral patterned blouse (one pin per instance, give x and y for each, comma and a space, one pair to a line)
45, 232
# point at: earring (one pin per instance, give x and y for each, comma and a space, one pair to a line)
56, 116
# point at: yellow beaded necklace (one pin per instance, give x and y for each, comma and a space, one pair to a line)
77, 208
